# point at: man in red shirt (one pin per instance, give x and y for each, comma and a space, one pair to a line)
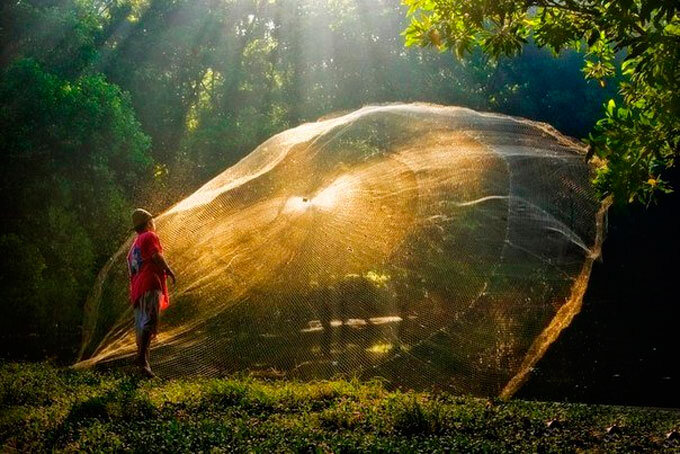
148, 288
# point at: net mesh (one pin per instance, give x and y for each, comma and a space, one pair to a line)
428, 245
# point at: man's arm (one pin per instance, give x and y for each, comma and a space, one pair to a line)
160, 261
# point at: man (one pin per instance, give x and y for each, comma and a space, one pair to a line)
148, 289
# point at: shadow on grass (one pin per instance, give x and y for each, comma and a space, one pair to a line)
122, 403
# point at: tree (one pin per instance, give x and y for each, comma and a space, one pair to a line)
208, 80
72, 157
638, 141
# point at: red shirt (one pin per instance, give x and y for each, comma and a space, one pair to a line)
145, 273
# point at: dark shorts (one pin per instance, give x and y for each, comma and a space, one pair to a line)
146, 311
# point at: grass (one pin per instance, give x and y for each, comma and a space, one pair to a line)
43, 408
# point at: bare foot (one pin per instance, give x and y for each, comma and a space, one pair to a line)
147, 372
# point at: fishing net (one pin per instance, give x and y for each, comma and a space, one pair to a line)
431, 246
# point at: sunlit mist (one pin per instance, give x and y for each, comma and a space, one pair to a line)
406, 241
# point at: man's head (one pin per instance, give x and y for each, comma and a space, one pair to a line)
142, 221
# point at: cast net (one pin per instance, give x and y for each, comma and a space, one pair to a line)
428, 245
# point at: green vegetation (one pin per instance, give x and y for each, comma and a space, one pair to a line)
106, 105
638, 141
73, 154
43, 408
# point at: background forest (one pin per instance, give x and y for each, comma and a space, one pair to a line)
112, 104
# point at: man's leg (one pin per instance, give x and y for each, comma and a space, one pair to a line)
139, 314
150, 307
144, 357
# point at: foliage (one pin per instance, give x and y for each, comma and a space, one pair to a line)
210, 81
639, 141
64, 36
106, 104
72, 155
48, 409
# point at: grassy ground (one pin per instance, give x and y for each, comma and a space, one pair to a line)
45, 408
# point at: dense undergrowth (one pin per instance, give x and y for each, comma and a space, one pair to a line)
43, 408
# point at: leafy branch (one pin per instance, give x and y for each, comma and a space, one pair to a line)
636, 143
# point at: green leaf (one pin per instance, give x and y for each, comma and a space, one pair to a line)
611, 105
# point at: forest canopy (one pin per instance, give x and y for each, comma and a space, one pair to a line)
639, 138
111, 104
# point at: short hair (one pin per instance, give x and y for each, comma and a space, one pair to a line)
142, 227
